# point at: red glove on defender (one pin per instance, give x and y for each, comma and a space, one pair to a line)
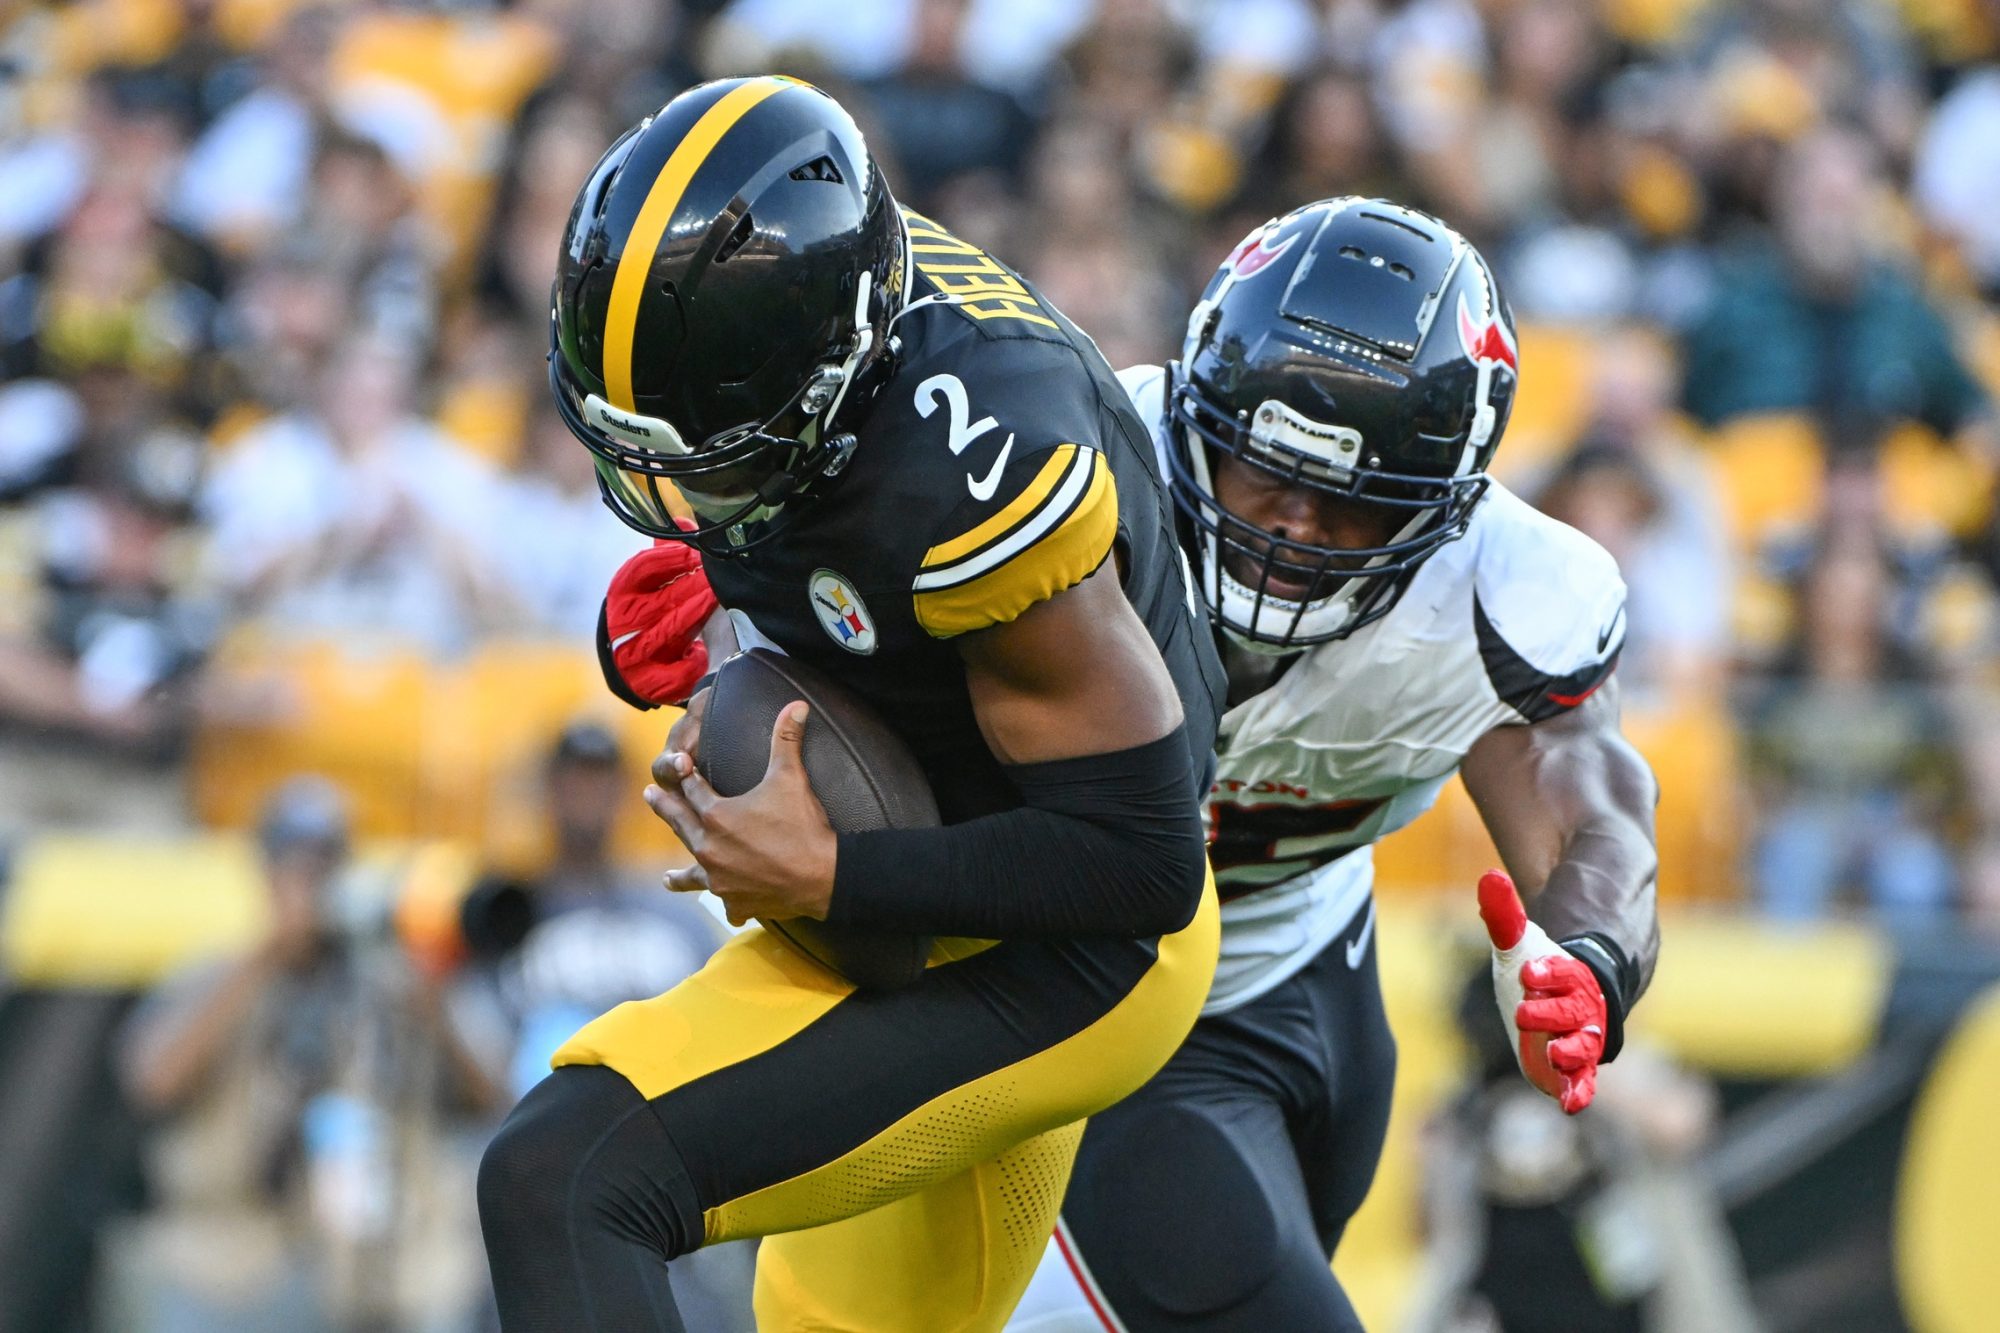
649, 632
1552, 1003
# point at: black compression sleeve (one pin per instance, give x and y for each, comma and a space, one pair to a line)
1106, 844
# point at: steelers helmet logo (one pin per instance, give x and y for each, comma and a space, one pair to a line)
841, 612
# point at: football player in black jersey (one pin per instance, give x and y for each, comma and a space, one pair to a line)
904, 467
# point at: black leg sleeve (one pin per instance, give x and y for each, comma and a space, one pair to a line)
582, 1199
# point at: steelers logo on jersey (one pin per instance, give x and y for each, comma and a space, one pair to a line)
841, 612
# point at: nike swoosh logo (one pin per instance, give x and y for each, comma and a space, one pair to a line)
1610, 629
983, 488
1357, 948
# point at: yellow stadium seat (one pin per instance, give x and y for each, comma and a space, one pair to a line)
640, 838
469, 72
351, 715
487, 417
1549, 410
1930, 487
1652, 23
1983, 349
1444, 851
487, 722
487, 735
125, 912
434, 750
1693, 752
1771, 472
1953, 32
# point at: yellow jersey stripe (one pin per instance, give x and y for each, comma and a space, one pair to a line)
1062, 559
628, 286
1046, 519
1031, 497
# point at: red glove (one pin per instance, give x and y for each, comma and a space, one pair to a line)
649, 632
1551, 1001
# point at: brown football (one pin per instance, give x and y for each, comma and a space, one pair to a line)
861, 771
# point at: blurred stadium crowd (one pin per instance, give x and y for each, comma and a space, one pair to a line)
282, 492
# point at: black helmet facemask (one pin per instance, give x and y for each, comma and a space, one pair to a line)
738, 478
1352, 586
1337, 352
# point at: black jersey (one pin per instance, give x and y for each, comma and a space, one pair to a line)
1001, 464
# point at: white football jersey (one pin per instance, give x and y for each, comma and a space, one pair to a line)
1515, 622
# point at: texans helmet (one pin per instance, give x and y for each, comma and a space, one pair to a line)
726, 284
1356, 348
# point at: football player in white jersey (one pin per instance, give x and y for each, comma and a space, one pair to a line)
1389, 616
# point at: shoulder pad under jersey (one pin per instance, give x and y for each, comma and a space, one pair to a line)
1046, 526
1548, 607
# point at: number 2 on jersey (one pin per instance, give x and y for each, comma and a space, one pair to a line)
958, 434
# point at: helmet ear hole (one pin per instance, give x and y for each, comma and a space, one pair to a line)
739, 236
821, 168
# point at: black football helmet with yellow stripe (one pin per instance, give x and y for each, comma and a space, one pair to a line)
725, 288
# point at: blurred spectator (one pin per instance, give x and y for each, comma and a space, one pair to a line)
115, 321
362, 227
555, 951
111, 287
561, 138
300, 1089
1850, 57
1821, 318
586, 935
628, 57
246, 178
1590, 1223
1542, 112
279, 328
1004, 43
117, 622
356, 517
1126, 67
1956, 178
1853, 752
127, 139
1637, 484
1326, 141
562, 548
943, 122
1092, 256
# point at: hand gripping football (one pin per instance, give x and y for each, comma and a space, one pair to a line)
862, 773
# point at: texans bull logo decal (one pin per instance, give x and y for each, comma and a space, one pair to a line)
1255, 253
1487, 343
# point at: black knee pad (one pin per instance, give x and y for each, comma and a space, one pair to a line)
1197, 1231
584, 1151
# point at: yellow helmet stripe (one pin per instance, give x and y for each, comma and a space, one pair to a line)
628, 286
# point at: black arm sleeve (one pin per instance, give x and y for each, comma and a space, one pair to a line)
1105, 844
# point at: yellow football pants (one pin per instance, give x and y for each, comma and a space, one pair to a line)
913, 1145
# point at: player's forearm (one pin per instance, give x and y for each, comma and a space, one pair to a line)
1605, 886
1570, 804
1106, 844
